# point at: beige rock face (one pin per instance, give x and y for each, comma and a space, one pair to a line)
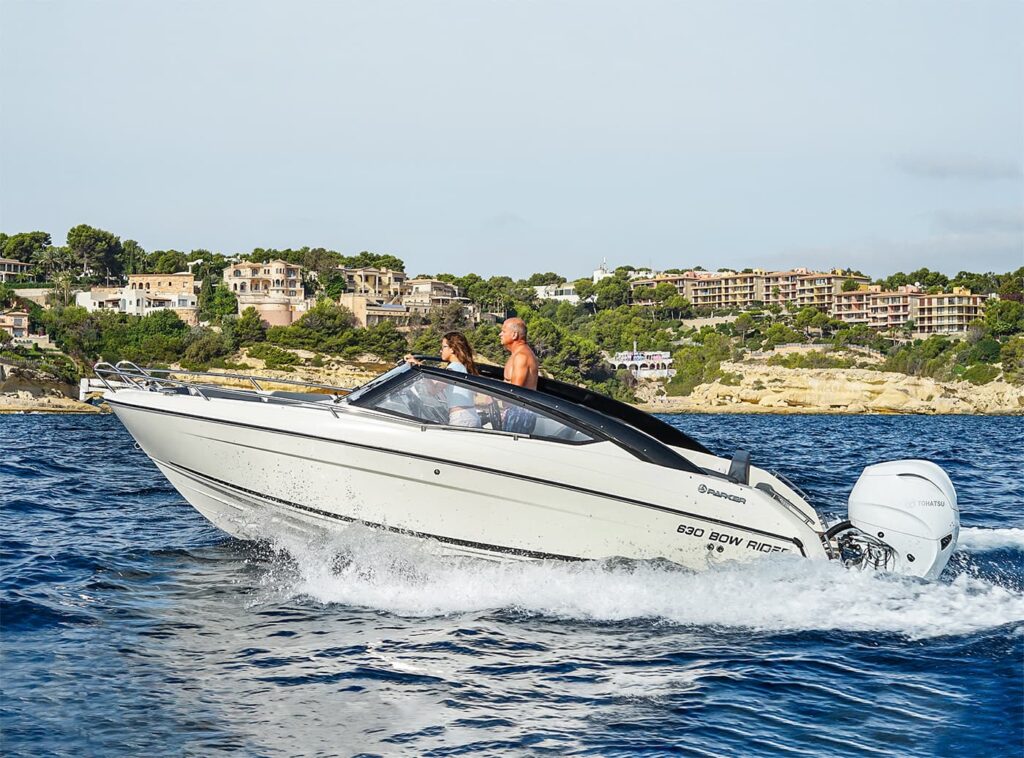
26, 402
775, 389
25, 390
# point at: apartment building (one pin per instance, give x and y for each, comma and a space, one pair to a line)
145, 294
563, 293
780, 286
182, 282
853, 307
102, 298
380, 283
148, 293
644, 365
15, 323
684, 284
819, 290
947, 312
422, 295
273, 288
369, 310
728, 290
890, 311
11, 270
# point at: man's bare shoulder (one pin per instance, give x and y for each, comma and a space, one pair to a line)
525, 353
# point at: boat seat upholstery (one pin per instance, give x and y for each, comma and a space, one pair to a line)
739, 467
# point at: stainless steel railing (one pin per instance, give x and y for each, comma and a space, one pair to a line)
127, 375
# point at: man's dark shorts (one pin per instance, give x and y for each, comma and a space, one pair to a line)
518, 420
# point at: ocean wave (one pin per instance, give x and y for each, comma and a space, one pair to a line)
362, 567
977, 539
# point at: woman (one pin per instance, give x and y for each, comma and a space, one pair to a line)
455, 350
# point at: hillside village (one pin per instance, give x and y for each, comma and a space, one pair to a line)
281, 292
638, 334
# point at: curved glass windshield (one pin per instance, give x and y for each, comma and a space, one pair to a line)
358, 392
434, 399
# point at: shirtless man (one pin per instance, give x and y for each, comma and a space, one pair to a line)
520, 369
521, 366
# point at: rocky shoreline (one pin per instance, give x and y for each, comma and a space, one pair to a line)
761, 389
773, 389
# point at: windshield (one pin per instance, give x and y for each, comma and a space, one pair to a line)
357, 393
441, 398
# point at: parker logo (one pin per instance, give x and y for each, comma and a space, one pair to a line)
704, 489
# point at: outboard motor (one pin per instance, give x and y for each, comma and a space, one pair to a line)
905, 519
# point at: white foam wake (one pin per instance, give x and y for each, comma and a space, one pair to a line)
363, 567
978, 540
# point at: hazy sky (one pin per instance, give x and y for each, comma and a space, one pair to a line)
512, 136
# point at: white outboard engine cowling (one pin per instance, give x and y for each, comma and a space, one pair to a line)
911, 507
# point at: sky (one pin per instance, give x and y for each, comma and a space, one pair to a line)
514, 136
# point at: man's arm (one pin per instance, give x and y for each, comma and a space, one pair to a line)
520, 369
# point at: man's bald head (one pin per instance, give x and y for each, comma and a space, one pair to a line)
515, 327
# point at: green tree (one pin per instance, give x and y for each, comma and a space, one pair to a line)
584, 289
204, 347
168, 261
678, 307
698, 364
321, 261
985, 350
216, 301
378, 260
1004, 317
50, 260
979, 284
133, 258
99, 251
249, 328
1011, 286
805, 318
663, 291
448, 318
63, 288
540, 280
780, 334
743, 324
923, 276
1011, 356
545, 337
383, 340
611, 292
25, 246
980, 373
850, 285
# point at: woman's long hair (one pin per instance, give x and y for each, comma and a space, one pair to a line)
460, 346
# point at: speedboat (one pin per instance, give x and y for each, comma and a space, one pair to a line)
560, 472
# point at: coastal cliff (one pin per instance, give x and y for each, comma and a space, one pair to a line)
760, 389
773, 389
24, 390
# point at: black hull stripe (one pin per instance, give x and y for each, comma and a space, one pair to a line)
474, 467
230, 488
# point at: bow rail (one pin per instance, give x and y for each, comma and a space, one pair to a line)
127, 375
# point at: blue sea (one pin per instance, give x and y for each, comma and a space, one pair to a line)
131, 626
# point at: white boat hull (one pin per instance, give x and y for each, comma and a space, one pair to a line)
469, 492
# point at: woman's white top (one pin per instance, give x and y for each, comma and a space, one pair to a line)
459, 397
